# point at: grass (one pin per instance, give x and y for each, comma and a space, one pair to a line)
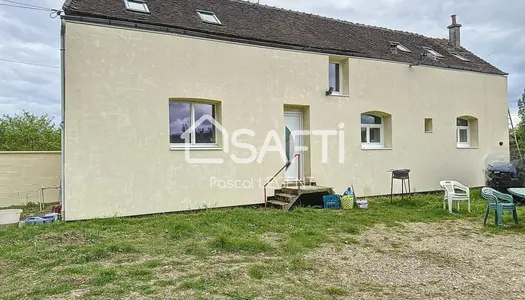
237, 253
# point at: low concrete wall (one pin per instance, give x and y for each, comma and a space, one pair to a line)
22, 174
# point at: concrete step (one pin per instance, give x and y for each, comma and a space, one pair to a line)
289, 191
285, 197
279, 204
294, 184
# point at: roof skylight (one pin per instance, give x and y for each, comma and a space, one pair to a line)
460, 57
403, 48
434, 53
209, 17
137, 5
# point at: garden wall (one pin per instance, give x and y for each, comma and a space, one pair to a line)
22, 174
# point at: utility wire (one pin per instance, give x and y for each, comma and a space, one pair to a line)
20, 6
28, 63
54, 12
25, 4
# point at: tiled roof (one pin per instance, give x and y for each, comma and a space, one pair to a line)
255, 23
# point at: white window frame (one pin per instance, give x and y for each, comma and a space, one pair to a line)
143, 3
403, 48
433, 52
193, 143
467, 128
340, 92
209, 13
368, 144
460, 57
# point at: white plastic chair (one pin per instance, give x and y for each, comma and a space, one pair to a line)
451, 194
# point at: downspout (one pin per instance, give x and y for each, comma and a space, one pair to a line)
62, 114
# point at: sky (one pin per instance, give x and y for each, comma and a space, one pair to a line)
494, 30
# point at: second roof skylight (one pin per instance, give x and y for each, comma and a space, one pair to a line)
433, 52
137, 5
209, 17
403, 48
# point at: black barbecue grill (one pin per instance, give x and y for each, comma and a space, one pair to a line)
501, 176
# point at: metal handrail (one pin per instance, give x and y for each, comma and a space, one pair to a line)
288, 163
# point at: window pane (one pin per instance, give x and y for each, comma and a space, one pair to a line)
208, 17
180, 120
205, 130
363, 135
137, 6
375, 135
290, 143
462, 122
369, 119
334, 79
463, 135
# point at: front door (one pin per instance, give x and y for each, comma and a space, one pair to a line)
293, 122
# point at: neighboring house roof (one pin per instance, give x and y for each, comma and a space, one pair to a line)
265, 25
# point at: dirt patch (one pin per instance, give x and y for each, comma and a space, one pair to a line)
452, 259
69, 237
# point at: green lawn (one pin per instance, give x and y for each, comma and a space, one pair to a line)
225, 253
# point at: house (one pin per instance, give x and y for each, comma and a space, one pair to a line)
174, 105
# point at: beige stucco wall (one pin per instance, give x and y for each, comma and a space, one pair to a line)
118, 82
22, 174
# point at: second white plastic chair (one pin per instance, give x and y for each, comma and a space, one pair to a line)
455, 191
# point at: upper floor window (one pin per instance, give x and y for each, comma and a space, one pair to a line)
137, 5
192, 123
372, 131
462, 132
335, 78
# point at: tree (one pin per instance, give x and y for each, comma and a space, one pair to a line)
28, 132
520, 130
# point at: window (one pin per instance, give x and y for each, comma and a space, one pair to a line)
462, 133
136, 5
403, 48
192, 123
209, 17
335, 73
371, 131
398, 46
432, 52
428, 125
460, 57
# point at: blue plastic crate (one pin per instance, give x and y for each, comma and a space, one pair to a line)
332, 201
39, 220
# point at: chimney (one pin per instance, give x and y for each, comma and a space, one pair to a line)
454, 38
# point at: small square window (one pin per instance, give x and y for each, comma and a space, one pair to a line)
428, 125
209, 17
138, 6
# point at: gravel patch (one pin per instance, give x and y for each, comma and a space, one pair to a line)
445, 260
